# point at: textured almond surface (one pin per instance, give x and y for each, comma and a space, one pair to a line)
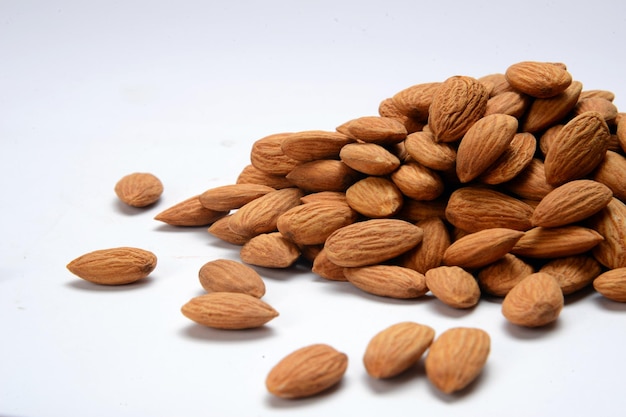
307, 371
535, 301
189, 212
375, 197
610, 223
388, 281
369, 158
499, 277
556, 242
538, 79
481, 248
228, 310
114, 266
139, 189
375, 129
225, 275
312, 223
453, 286
233, 196
573, 272
270, 250
612, 284
311, 145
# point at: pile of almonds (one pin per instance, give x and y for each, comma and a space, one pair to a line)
511, 185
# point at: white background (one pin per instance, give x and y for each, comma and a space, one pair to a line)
93, 90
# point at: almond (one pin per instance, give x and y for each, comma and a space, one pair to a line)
573, 272
495, 84
605, 94
261, 214
396, 348
415, 210
512, 103
516, 157
570, 203
228, 310
369, 158
189, 212
545, 112
457, 357
221, 230
453, 286
114, 266
423, 148
481, 248
415, 100
556, 242
621, 130
311, 145
252, 175
531, 183
329, 197
612, 284
483, 144
538, 79
225, 275
418, 182
387, 281
473, 208
578, 148
374, 129
457, 104
270, 250
267, 155
375, 197
429, 253
307, 371
323, 175
601, 105
231, 197
535, 301
371, 242
610, 223
499, 277
323, 267
612, 173
312, 223
139, 189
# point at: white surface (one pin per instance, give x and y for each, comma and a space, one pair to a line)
91, 91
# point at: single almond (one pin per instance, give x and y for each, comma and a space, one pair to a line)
139, 189
221, 230
374, 129
228, 310
323, 175
453, 286
517, 156
311, 145
429, 253
375, 197
388, 281
571, 202
329, 197
225, 275
312, 223
414, 101
270, 250
369, 158
252, 175
609, 223
495, 84
530, 183
189, 212
233, 196
396, 348
457, 357
512, 103
114, 266
500, 276
612, 284
612, 173
535, 301
546, 112
556, 242
538, 79
323, 267
605, 94
371, 242
307, 371
481, 248
423, 148
573, 272
267, 155
418, 182
606, 108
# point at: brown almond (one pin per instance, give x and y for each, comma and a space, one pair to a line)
474, 208
311, 145
267, 155
495, 84
535, 301
481, 248
429, 253
418, 182
307, 371
556, 242
323, 267
369, 158
457, 357
545, 112
414, 101
531, 183
189, 212
139, 189
483, 143
228, 310
329, 197
270, 250
453, 286
375, 197
516, 157
323, 175
538, 79
371, 242
612, 284
606, 108
612, 173
312, 223
114, 266
457, 104
571, 202
221, 230
512, 103
225, 275
374, 129
578, 148
396, 348
573, 272
233, 196
605, 94
251, 175
499, 277
609, 223
423, 148
621, 131
388, 281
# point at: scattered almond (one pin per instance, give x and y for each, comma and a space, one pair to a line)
114, 266
225, 275
139, 189
535, 301
228, 310
453, 286
612, 284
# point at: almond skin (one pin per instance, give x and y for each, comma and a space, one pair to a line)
396, 348
369, 158
221, 230
481, 248
610, 224
323, 267
388, 281
612, 284
415, 100
457, 357
371, 242
499, 277
556, 242
114, 266
189, 213
423, 148
307, 371
375, 197
225, 275
311, 145
418, 182
517, 156
535, 301
531, 183
270, 250
429, 253
323, 175
546, 112
267, 155
252, 175
374, 129
139, 189
612, 173
538, 79
573, 272
228, 310
453, 286
233, 196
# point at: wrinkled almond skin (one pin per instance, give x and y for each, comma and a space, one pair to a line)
481, 248
414, 101
612, 173
573, 272
190, 213
418, 182
601, 105
307, 371
612, 284
233, 196
538, 79
457, 357
267, 155
252, 175
114, 266
453, 286
323, 267
139, 189
396, 348
571, 202
429, 253
270, 250
512, 103
531, 183
375, 197
457, 104
330, 197
228, 310
225, 275
221, 230
610, 223
423, 148
535, 301
556, 242
369, 158
312, 223
517, 156
545, 112
388, 281
374, 129
323, 175
311, 145
371, 242
499, 277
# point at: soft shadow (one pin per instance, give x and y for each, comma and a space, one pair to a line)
209, 334
127, 210
288, 403
382, 386
578, 295
608, 304
465, 392
531, 333
168, 228
445, 310
81, 284
349, 289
